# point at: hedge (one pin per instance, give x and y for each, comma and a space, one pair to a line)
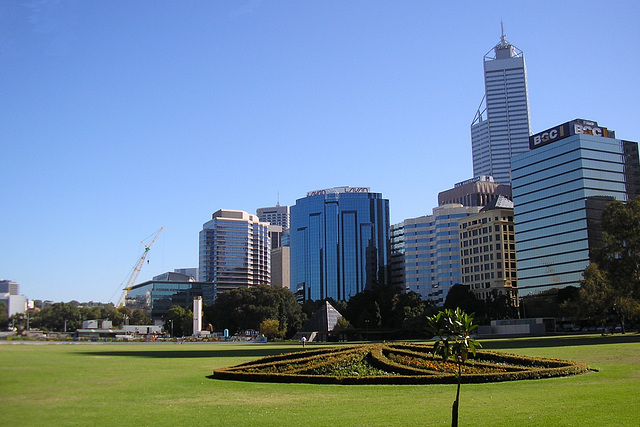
308, 366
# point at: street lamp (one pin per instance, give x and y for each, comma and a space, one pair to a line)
171, 322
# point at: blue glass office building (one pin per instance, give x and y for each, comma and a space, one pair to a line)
339, 242
560, 188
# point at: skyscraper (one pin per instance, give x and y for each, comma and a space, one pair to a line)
500, 128
560, 189
339, 242
235, 250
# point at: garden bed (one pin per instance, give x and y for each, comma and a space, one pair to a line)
394, 364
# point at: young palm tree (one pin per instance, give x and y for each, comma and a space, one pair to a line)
453, 331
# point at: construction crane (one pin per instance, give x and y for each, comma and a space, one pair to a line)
136, 270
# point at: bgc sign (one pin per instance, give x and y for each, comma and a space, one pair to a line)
574, 127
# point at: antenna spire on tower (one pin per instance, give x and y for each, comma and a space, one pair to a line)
503, 36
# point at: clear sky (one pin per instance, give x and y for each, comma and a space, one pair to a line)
119, 117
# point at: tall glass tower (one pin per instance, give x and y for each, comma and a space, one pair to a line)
339, 243
500, 128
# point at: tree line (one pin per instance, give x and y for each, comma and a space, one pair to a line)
68, 316
276, 312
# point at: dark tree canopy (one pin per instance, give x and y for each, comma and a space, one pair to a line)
4, 319
410, 312
460, 296
363, 310
619, 256
178, 321
247, 307
611, 282
387, 307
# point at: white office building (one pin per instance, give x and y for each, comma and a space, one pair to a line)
431, 247
235, 250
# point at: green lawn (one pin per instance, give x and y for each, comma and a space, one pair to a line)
168, 384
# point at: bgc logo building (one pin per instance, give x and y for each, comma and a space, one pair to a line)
574, 127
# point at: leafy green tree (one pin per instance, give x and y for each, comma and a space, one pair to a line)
19, 321
453, 331
620, 251
599, 298
270, 328
363, 310
179, 320
409, 313
625, 308
342, 324
58, 316
499, 306
246, 307
109, 312
4, 318
596, 294
611, 282
139, 317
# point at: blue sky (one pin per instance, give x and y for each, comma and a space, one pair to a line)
119, 117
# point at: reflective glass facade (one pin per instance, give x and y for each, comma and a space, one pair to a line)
396, 270
339, 243
156, 297
500, 129
235, 250
559, 192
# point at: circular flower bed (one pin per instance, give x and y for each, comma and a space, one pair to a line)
394, 364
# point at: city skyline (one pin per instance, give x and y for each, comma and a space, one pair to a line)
112, 127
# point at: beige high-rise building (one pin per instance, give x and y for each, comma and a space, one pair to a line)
281, 266
488, 251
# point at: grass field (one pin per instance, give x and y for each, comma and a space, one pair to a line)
168, 384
